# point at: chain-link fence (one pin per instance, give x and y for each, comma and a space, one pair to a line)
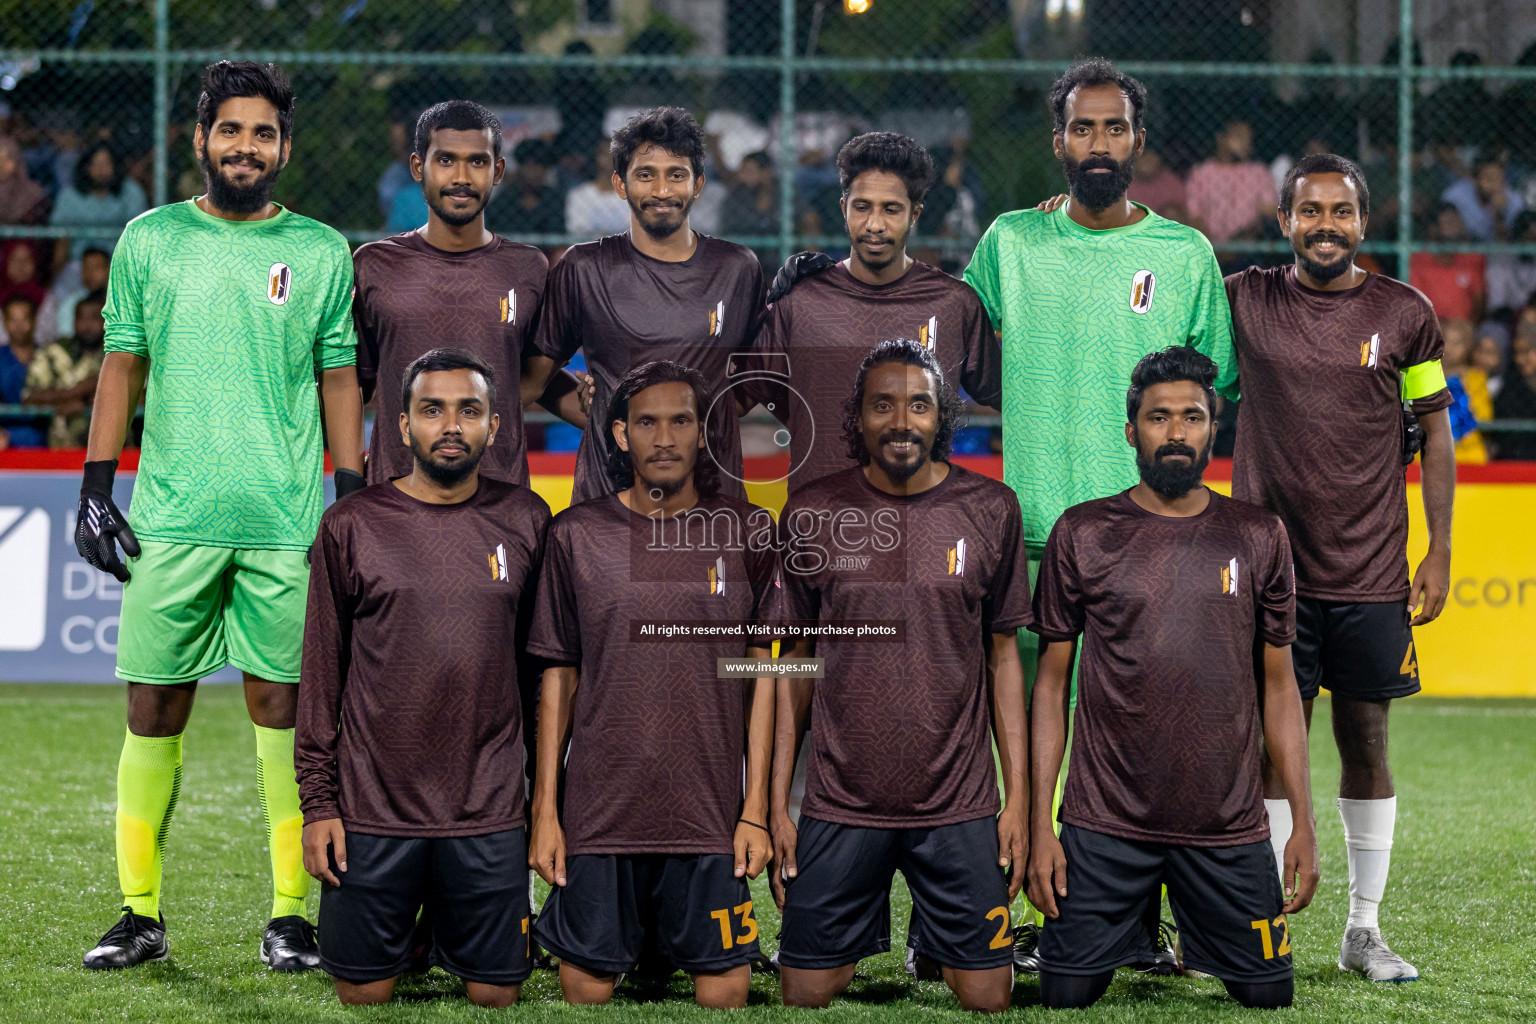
98, 99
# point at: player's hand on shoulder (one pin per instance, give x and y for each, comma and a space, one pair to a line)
1047, 873
321, 840
795, 269
1013, 847
546, 847
785, 838
1052, 204
1300, 875
754, 848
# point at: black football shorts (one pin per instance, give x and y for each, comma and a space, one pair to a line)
476, 888
1359, 651
1226, 899
837, 908
694, 910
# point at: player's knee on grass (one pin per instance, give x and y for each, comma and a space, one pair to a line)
494, 997
988, 991
364, 993
1266, 995
723, 990
581, 987
813, 989
1073, 991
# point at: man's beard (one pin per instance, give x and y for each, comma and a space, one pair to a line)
230, 197
900, 472
1173, 481
673, 218
661, 490
1098, 191
447, 476
1326, 271
448, 216
896, 247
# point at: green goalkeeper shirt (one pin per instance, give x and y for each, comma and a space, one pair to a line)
237, 319
1076, 309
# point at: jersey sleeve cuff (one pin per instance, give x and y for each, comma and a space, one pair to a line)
1055, 636
1280, 639
1442, 399
1012, 622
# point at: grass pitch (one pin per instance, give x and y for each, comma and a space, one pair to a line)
1460, 905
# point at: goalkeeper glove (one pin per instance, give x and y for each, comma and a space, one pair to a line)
800, 265
347, 481
99, 526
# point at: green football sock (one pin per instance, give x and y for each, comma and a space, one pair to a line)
148, 782
279, 789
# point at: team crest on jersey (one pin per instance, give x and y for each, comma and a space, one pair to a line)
717, 577
509, 307
954, 559
1229, 577
717, 319
1142, 286
498, 562
1370, 351
928, 334
279, 280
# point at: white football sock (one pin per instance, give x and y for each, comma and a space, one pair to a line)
1280, 825
1368, 826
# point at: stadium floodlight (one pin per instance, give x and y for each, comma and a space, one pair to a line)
856, 6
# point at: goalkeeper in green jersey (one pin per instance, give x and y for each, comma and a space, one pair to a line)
1079, 292
236, 314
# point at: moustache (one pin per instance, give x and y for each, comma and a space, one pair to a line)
1098, 163
446, 441
465, 192
243, 161
1324, 236
1175, 448
898, 436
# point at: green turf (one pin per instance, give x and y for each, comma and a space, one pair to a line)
1460, 905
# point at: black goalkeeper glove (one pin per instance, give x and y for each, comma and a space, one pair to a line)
99, 526
800, 265
348, 481
1413, 434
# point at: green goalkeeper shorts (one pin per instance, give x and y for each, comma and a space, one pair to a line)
191, 609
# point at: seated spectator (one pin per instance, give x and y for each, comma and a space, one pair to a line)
22, 200
1488, 354
1469, 392
1453, 283
752, 202
64, 375
1512, 279
593, 209
528, 204
1232, 195
1517, 398
397, 176
1158, 188
15, 359
100, 198
18, 275
95, 270
1488, 206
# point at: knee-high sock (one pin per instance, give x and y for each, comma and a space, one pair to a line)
1368, 826
1280, 825
285, 822
148, 782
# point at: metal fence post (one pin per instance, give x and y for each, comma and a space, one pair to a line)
162, 102
1405, 85
786, 127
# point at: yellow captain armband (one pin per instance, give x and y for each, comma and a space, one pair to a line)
1423, 380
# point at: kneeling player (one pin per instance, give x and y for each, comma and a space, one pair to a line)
410, 741
1175, 590
900, 775
655, 838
